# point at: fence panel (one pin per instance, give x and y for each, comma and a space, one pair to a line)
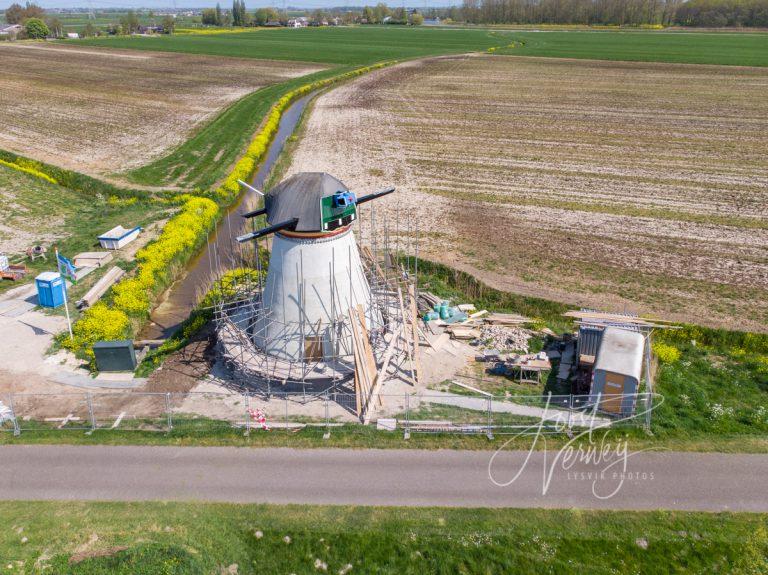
133, 411
322, 413
42, 411
207, 412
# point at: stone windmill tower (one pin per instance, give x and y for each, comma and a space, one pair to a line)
315, 272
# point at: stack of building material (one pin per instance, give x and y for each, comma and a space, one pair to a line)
506, 319
9, 271
100, 287
92, 259
427, 301
463, 331
365, 362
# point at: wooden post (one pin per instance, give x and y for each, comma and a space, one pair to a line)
381, 375
415, 331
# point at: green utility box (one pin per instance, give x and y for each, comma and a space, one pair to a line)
115, 355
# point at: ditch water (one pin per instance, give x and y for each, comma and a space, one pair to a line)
180, 298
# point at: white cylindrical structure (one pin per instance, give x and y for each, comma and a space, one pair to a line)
312, 282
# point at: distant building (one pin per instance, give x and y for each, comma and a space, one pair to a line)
151, 30
431, 21
273, 24
295, 23
73, 35
10, 30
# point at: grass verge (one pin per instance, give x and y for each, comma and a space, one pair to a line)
79, 538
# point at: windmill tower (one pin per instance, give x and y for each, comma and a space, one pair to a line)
315, 272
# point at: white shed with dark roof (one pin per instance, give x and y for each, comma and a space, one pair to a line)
618, 369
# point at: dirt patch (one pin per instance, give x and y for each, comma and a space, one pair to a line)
182, 370
628, 186
101, 111
79, 557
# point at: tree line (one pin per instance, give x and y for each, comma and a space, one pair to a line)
378, 14
37, 24
711, 13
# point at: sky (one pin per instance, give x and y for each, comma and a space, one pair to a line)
250, 4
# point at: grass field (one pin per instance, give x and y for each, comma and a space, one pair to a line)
629, 186
733, 48
102, 111
366, 44
344, 46
77, 538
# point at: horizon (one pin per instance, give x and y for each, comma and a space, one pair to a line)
199, 4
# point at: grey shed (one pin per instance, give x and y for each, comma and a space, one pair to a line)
299, 197
617, 371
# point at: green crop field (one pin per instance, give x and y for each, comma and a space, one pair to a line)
363, 45
80, 538
346, 46
733, 49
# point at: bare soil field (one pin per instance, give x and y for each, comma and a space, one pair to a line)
628, 186
100, 111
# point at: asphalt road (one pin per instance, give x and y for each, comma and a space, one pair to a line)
666, 480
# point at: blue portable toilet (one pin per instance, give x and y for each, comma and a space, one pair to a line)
50, 289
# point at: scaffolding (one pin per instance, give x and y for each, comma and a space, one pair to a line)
357, 350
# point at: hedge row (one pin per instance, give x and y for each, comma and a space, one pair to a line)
244, 168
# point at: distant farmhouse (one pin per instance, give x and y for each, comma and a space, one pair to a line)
299, 22
10, 31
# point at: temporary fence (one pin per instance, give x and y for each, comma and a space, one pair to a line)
407, 413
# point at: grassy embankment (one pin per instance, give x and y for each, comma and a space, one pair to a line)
194, 538
38, 208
